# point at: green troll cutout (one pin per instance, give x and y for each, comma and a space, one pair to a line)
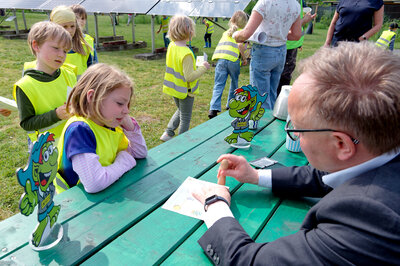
244, 107
37, 179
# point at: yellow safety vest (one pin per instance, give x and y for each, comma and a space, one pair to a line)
108, 144
210, 28
89, 39
164, 24
385, 38
227, 48
175, 83
47, 96
79, 60
32, 65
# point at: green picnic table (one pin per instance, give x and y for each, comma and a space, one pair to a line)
125, 224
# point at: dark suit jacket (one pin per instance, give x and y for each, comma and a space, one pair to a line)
356, 223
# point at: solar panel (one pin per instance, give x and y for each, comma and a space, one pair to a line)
21, 4
50, 4
119, 6
174, 7
218, 8
196, 8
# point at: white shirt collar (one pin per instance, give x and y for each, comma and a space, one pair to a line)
337, 178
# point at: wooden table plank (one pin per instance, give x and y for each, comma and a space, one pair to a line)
95, 227
144, 238
15, 230
286, 220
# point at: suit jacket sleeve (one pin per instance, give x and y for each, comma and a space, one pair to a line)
303, 181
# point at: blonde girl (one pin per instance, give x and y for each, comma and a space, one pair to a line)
80, 54
100, 141
227, 53
181, 76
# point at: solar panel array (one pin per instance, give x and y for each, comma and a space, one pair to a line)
206, 8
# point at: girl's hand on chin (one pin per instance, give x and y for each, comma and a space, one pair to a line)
127, 123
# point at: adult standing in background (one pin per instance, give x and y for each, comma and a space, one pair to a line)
292, 48
270, 25
164, 29
353, 19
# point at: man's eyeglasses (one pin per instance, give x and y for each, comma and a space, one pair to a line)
291, 131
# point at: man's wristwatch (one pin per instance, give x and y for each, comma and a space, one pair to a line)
364, 37
213, 199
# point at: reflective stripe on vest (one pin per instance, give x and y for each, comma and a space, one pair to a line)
210, 28
227, 48
47, 96
175, 83
108, 144
385, 38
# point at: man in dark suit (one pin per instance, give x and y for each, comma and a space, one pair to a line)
345, 108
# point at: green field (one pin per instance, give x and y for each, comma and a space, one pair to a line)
150, 107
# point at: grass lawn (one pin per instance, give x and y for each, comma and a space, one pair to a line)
150, 107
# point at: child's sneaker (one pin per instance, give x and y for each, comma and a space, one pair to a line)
165, 137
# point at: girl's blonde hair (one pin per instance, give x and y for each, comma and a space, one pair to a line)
237, 21
181, 28
79, 10
45, 30
101, 78
64, 14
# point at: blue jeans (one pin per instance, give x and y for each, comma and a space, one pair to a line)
222, 70
266, 66
166, 40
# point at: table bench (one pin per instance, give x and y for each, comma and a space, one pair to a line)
125, 224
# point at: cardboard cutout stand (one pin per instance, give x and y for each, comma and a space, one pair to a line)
37, 179
247, 111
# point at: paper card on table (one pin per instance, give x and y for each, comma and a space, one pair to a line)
8, 104
182, 200
263, 162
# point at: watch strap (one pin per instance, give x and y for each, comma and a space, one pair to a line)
213, 199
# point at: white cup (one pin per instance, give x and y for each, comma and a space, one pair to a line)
291, 145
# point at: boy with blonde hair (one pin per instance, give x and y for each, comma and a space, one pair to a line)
42, 92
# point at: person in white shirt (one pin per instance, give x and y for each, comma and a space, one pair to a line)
270, 25
344, 108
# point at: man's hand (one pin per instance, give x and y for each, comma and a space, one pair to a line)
239, 169
211, 190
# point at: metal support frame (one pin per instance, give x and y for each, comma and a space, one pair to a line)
153, 44
96, 30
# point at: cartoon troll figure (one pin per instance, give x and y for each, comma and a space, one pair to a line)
37, 179
244, 107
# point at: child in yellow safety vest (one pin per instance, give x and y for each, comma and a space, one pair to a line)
209, 31
181, 76
81, 53
42, 92
227, 52
81, 17
388, 37
100, 141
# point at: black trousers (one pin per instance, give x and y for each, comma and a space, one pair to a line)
290, 65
